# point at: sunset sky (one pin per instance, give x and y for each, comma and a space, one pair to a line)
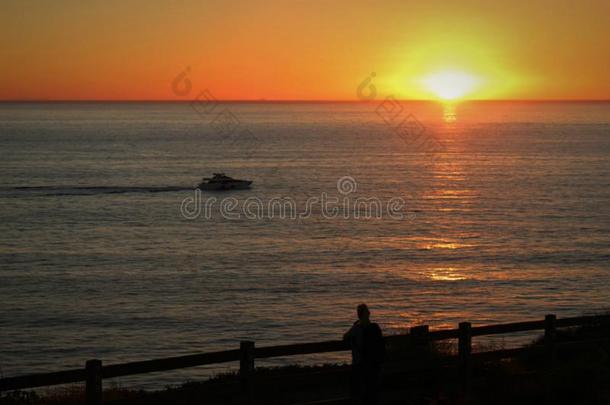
307, 49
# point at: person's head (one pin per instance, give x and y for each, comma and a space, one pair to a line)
363, 312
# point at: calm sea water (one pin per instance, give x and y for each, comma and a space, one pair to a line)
507, 219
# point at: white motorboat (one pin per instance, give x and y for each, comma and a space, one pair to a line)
220, 181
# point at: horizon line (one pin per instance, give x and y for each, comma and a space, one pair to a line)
320, 101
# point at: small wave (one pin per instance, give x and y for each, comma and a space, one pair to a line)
58, 191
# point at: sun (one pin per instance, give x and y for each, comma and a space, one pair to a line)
450, 85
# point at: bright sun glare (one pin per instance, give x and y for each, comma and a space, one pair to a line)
450, 85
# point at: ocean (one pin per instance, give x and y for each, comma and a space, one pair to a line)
435, 214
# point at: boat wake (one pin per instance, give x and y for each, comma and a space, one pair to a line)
58, 191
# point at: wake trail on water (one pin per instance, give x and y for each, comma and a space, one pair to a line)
58, 191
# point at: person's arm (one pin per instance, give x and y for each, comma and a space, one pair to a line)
347, 335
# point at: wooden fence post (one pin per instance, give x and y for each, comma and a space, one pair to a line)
550, 322
421, 338
246, 369
464, 352
93, 383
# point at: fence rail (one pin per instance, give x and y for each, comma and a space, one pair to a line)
94, 372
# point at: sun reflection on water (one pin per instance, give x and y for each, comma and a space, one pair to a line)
443, 245
446, 274
449, 114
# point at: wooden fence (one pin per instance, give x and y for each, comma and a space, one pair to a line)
94, 372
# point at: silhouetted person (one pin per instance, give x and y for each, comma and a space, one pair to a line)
368, 353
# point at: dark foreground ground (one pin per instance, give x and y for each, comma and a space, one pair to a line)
579, 374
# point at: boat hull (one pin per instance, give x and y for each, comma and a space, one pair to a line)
230, 185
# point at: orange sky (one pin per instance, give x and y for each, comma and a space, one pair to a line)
302, 49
